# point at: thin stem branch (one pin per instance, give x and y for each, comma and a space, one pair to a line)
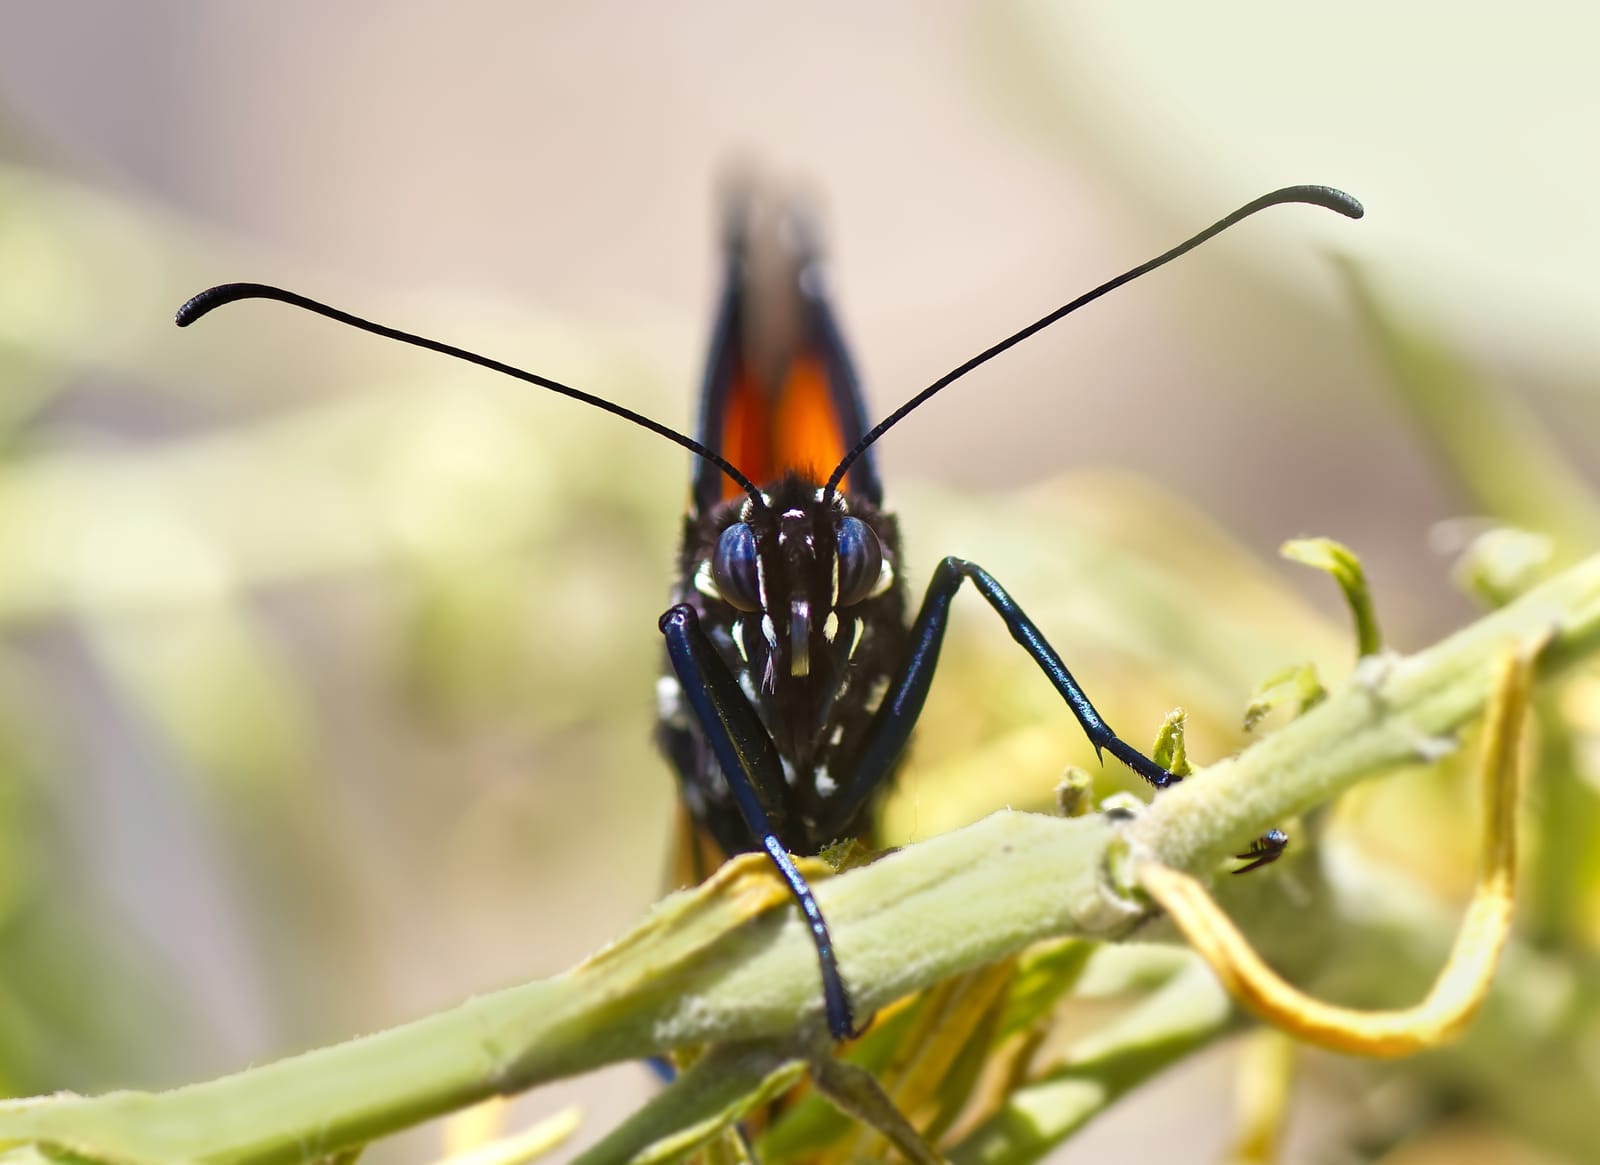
731, 961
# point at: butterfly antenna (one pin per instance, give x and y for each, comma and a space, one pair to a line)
1325, 196
214, 297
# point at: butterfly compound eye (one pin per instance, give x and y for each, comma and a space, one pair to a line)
733, 567
860, 561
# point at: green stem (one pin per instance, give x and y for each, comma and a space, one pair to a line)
720, 964
1392, 711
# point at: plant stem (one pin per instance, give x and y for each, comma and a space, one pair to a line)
724, 962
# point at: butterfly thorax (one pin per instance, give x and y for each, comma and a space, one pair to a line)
802, 601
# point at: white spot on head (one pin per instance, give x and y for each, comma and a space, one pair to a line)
704, 582
770, 631
794, 513
840, 502
885, 578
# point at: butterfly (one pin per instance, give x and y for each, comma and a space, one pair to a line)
795, 669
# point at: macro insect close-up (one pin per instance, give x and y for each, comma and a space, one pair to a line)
784, 714
362, 700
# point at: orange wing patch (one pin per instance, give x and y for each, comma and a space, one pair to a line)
693, 854
746, 432
799, 431
806, 434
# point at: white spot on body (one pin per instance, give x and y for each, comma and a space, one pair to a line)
826, 785
669, 700
875, 694
694, 799
855, 637
799, 638
830, 626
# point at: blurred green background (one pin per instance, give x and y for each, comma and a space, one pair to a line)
328, 665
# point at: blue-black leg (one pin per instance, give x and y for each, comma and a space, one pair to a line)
903, 703
1263, 851
751, 767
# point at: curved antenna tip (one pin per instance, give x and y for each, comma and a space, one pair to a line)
202, 304
1330, 197
225, 293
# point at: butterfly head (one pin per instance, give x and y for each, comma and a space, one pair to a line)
796, 576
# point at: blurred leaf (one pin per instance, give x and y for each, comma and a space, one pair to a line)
1495, 451
517, 1148
1299, 684
715, 1091
1075, 792
1265, 1075
1501, 563
1168, 750
1341, 562
1185, 1014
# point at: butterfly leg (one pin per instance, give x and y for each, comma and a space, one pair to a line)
903, 702
753, 771
1263, 851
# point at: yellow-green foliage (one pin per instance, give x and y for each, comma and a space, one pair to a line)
464, 565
